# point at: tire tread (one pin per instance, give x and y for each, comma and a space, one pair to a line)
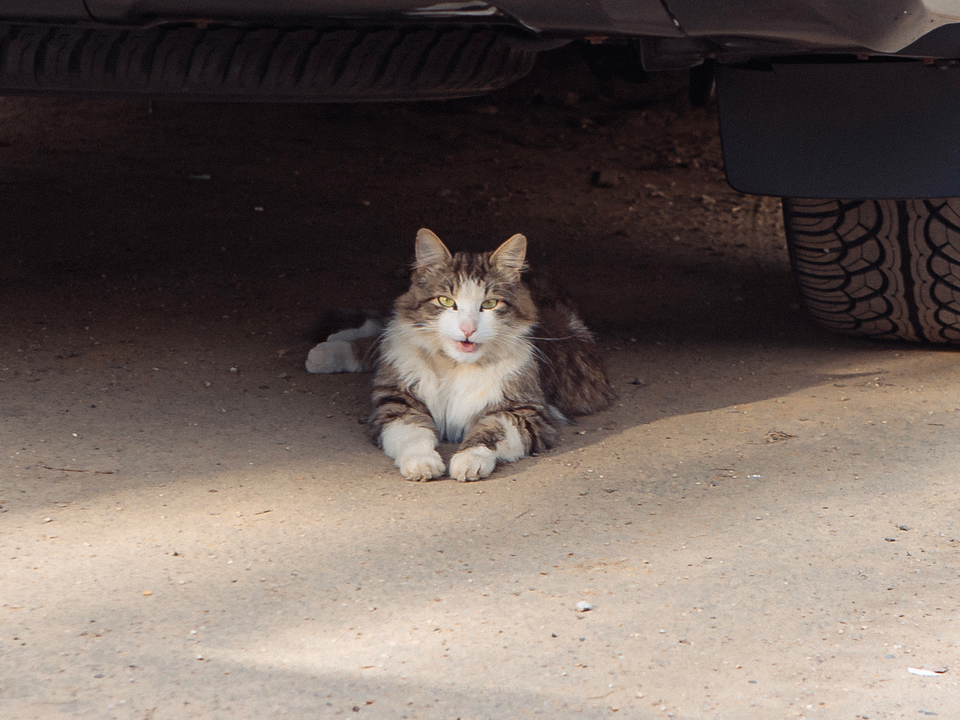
337, 64
885, 269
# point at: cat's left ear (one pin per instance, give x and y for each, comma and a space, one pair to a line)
510, 256
430, 249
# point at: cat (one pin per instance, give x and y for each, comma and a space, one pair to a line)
474, 354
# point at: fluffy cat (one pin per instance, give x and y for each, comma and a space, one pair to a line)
472, 354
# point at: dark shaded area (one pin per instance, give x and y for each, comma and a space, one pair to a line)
274, 213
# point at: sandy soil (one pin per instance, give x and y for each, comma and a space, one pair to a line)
765, 524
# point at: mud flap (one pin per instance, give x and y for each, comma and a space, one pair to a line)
869, 130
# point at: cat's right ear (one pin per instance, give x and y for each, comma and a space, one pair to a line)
509, 257
430, 249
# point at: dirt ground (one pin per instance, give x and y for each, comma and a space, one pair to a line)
765, 524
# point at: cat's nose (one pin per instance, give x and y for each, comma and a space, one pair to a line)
468, 329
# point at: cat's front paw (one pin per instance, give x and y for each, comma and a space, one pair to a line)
335, 356
473, 463
420, 467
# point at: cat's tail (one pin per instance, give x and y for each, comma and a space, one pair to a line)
351, 341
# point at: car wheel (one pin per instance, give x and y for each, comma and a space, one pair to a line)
887, 269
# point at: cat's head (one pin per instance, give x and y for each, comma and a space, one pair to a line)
473, 308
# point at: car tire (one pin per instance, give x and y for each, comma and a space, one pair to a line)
885, 269
186, 62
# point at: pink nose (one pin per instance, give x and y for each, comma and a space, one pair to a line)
468, 329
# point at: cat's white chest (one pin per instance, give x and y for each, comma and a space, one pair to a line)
457, 398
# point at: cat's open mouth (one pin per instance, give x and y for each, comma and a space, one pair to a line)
465, 346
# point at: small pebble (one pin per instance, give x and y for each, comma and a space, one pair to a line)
584, 606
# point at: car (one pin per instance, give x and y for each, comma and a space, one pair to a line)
849, 111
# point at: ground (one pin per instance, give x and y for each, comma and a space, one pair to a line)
764, 525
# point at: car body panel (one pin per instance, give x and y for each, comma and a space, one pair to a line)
879, 25
570, 18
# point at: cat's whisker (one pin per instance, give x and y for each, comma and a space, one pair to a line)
539, 354
555, 339
411, 329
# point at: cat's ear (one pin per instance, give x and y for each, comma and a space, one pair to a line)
509, 257
430, 249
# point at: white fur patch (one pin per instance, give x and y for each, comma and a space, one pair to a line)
473, 463
511, 447
413, 449
333, 356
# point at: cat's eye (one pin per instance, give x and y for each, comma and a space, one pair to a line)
445, 301
489, 304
